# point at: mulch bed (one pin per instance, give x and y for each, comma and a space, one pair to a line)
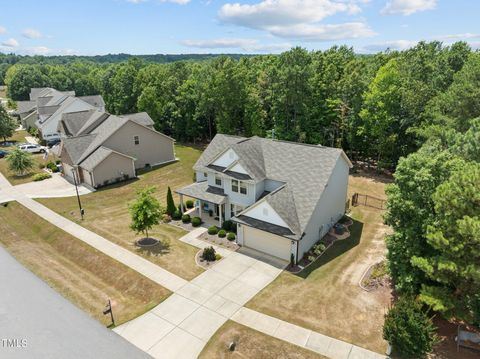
375, 277
146, 242
221, 242
203, 263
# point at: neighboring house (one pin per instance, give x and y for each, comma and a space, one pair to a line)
284, 196
99, 149
46, 106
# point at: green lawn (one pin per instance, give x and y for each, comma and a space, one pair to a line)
19, 137
83, 275
106, 213
326, 297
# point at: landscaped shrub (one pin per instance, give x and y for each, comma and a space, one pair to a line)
227, 225
208, 254
196, 221
52, 166
409, 329
311, 258
212, 230
41, 176
189, 203
57, 162
222, 233
170, 203
231, 236
186, 218
177, 215
217, 257
166, 218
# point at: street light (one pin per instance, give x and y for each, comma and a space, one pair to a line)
74, 172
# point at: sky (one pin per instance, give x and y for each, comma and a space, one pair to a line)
97, 27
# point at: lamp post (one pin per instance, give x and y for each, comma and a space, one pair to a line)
74, 171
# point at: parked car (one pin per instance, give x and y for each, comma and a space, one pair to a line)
3, 153
31, 148
54, 142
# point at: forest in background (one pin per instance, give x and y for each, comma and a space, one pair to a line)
415, 113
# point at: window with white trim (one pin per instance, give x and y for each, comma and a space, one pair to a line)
234, 185
136, 140
218, 180
243, 188
239, 186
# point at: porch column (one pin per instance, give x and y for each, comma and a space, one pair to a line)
220, 214
181, 203
200, 208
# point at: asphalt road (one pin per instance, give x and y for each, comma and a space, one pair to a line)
37, 322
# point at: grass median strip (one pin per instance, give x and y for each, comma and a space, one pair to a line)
106, 213
83, 275
251, 344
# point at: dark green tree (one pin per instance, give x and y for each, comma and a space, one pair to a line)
170, 203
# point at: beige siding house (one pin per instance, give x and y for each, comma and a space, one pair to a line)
99, 149
283, 196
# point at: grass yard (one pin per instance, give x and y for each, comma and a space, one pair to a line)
106, 213
19, 137
251, 344
80, 273
327, 297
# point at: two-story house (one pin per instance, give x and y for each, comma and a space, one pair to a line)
284, 196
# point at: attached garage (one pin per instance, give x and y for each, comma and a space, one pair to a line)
266, 242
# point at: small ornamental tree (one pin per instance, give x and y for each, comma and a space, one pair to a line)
170, 203
7, 124
20, 162
409, 329
145, 211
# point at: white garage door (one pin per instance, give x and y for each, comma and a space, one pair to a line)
266, 242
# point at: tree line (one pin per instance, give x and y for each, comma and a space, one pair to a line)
372, 105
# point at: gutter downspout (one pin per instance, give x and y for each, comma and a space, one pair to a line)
296, 259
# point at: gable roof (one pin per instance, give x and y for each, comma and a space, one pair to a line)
305, 170
142, 118
94, 100
26, 106
100, 155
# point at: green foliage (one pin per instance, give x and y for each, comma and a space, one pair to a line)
227, 225
52, 166
41, 176
409, 329
177, 215
212, 230
222, 233
19, 162
145, 211
231, 236
186, 218
170, 203
209, 254
189, 203
196, 221
7, 124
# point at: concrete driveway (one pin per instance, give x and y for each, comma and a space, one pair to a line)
57, 186
180, 326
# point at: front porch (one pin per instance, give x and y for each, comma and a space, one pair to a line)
210, 203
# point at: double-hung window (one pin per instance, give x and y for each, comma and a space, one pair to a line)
243, 188
136, 140
218, 180
234, 185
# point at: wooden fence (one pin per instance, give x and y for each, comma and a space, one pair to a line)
369, 201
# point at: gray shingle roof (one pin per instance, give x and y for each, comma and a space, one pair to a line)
94, 100
202, 191
305, 169
80, 122
98, 156
141, 118
26, 106
76, 146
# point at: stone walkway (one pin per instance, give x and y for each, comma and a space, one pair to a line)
180, 326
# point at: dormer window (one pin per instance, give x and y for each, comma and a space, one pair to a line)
218, 180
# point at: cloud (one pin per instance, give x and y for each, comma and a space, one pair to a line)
407, 7
38, 50
2, 30
10, 43
464, 36
32, 34
297, 19
249, 45
399, 45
